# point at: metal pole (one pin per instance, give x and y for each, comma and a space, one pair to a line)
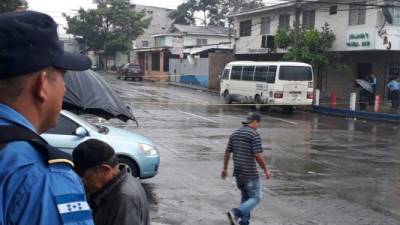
296, 24
353, 97
317, 94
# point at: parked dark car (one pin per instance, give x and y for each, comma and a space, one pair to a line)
131, 71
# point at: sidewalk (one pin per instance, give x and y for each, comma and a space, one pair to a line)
385, 114
195, 87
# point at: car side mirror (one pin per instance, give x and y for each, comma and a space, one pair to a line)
81, 132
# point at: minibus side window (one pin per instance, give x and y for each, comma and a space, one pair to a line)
261, 73
248, 73
271, 74
225, 75
236, 73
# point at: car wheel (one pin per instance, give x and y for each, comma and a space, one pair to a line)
288, 109
258, 102
129, 164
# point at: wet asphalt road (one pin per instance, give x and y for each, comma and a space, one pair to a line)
326, 170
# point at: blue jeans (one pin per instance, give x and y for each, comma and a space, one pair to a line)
251, 196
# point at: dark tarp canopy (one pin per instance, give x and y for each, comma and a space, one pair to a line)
88, 92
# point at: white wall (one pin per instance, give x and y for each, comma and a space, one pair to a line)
339, 24
191, 40
160, 23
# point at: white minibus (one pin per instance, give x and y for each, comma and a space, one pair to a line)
285, 84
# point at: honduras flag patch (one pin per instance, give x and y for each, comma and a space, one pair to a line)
73, 208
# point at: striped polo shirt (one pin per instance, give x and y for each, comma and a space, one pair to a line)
244, 143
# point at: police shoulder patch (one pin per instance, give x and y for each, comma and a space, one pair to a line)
73, 208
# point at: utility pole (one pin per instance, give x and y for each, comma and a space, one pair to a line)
296, 24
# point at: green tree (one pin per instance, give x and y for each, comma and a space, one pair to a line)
313, 47
184, 14
11, 5
213, 12
110, 28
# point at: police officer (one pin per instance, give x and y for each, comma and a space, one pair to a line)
37, 183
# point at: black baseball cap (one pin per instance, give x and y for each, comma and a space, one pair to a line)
91, 153
29, 42
252, 117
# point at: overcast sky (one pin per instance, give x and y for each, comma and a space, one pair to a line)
55, 8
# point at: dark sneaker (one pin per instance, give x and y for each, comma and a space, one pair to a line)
232, 218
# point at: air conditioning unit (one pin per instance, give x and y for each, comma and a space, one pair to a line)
268, 41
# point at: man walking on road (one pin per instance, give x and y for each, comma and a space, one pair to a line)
245, 144
115, 196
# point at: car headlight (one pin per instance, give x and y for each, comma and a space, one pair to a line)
148, 149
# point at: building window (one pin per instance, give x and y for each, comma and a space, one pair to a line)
155, 61
145, 44
309, 19
201, 41
357, 13
159, 41
284, 21
245, 28
333, 10
266, 25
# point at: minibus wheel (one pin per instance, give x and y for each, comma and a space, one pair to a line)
227, 98
288, 109
258, 102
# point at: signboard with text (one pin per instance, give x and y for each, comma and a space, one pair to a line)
360, 39
177, 46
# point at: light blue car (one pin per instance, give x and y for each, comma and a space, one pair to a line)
134, 151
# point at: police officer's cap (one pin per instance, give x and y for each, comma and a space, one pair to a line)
29, 43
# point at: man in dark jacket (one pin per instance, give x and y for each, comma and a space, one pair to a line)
115, 196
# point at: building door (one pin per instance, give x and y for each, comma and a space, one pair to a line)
364, 70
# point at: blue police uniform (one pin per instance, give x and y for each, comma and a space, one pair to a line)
33, 191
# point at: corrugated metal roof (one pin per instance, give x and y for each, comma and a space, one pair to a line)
201, 30
263, 9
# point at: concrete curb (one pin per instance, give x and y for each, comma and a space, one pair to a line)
386, 117
194, 87
357, 114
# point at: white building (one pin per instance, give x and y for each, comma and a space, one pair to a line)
367, 37
177, 41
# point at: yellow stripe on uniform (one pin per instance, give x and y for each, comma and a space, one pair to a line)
52, 161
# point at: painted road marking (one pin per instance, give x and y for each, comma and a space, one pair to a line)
282, 120
201, 117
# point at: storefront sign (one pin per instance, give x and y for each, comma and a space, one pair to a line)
359, 39
177, 46
259, 50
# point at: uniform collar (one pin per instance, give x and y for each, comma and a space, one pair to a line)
11, 115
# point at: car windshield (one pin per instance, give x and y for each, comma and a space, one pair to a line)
83, 122
296, 73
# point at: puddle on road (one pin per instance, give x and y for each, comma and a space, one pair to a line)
151, 196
